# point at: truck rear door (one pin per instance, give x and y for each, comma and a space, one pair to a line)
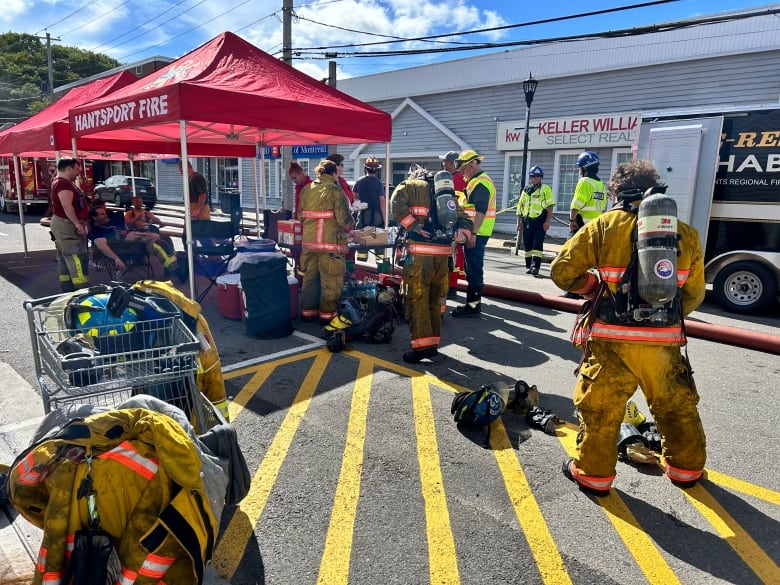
685, 153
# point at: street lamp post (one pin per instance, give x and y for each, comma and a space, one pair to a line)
529, 89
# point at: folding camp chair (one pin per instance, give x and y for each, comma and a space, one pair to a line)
212, 248
135, 255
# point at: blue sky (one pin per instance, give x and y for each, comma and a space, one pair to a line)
130, 30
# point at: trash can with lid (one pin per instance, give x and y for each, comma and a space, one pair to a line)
230, 203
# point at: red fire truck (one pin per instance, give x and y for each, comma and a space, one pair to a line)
36, 177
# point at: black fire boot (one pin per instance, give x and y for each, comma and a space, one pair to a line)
472, 308
414, 356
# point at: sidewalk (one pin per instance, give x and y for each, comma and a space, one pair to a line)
506, 243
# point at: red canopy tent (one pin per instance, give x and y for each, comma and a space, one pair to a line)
226, 98
233, 96
48, 130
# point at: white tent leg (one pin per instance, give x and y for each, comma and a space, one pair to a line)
187, 217
20, 205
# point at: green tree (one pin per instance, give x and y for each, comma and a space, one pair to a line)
24, 72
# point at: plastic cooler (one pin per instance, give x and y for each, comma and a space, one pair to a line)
229, 296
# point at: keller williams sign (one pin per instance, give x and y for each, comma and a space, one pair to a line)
599, 131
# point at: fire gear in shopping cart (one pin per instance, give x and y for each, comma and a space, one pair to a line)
209, 378
428, 246
620, 356
142, 471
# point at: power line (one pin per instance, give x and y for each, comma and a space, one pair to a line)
106, 13
479, 31
135, 31
64, 18
609, 34
188, 31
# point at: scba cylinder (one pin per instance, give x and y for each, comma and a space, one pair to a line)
446, 208
657, 249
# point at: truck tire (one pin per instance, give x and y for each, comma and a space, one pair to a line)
745, 287
117, 200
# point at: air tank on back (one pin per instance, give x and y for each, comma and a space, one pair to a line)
446, 208
657, 249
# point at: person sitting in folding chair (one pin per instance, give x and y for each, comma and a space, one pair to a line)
113, 241
140, 219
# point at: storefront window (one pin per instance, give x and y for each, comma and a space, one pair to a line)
227, 174
566, 181
515, 182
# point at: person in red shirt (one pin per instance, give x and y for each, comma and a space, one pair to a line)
70, 210
459, 183
299, 177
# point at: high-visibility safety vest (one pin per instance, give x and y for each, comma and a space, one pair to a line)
590, 198
486, 229
531, 205
150, 495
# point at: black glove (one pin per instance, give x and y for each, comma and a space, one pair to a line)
542, 419
651, 435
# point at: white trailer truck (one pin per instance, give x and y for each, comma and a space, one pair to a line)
723, 168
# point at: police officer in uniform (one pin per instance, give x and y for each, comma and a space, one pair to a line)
590, 198
621, 354
325, 215
425, 270
534, 214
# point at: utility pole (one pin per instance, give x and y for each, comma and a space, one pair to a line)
286, 151
332, 83
50, 63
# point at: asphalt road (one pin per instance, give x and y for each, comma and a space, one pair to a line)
360, 475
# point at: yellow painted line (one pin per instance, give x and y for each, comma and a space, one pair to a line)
443, 561
527, 510
334, 567
744, 487
242, 525
640, 545
249, 389
277, 362
753, 555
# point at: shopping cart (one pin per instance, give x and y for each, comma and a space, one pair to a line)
104, 364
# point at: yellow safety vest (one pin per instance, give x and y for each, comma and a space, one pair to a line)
486, 229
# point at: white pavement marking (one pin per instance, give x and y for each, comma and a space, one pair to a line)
314, 343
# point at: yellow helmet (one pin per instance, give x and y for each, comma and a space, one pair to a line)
466, 157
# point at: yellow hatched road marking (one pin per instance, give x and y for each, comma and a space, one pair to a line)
334, 567
749, 489
443, 561
639, 544
739, 540
527, 510
241, 527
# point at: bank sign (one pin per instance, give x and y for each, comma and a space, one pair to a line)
600, 131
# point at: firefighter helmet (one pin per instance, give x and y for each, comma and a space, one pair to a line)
92, 317
536, 172
466, 157
372, 164
587, 159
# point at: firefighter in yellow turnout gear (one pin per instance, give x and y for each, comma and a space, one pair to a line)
325, 214
426, 268
621, 355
